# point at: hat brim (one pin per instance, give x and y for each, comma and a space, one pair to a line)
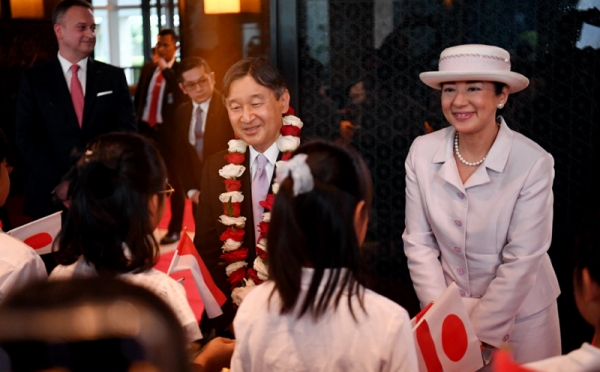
515, 81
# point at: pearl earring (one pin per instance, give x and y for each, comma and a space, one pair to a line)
500, 105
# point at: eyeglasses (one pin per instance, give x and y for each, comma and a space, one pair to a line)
168, 191
191, 85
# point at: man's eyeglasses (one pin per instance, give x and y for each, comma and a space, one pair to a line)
168, 191
191, 85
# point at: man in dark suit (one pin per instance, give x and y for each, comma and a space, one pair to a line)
256, 98
156, 99
65, 102
203, 127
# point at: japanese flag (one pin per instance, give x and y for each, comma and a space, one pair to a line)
503, 362
444, 335
187, 258
39, 234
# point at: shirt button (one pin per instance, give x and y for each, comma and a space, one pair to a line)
462, 293
457, 249
460, 195
505, 338
457, 223
460, 271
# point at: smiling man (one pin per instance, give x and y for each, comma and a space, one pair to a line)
65, 102
255, 96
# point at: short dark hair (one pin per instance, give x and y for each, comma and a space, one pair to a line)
318, 227
168, 31
263, 72
190, 63
110, 187
587, 244
61, 8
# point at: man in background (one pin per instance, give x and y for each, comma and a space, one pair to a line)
64, 103
156, 99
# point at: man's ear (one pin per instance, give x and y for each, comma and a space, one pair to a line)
181, 87
58, 31
285, 101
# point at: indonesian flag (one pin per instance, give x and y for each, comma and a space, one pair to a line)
39, 234
503, 362
444, 335
187, 258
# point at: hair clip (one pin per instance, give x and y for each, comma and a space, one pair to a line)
297, 168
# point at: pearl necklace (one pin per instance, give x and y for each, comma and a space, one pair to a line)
462, 160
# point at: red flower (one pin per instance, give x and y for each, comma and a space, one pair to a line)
268, 203
237, 255
232, 209
252, 274
261, 253
236, 277
233, 234
286, 156
233, 185
290, 130
263, 227
290, 111
235, 158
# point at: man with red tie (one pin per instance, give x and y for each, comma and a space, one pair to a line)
156, 99
64, 103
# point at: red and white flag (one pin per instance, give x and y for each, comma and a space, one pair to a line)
187, 258
444, 335
39, 234
503, 362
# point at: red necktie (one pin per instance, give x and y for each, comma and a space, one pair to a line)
154, 100
77, 94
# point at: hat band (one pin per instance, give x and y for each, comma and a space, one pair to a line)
473, 62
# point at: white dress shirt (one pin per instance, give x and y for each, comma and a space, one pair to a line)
157, 282
146, 113
380, 339
584, 359
81, 73
19, 265
192, 132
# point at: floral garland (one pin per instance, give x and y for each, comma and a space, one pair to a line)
239, 276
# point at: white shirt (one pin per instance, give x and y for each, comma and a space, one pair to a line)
81, 73
146, 113
19, 265
379, 340
584, 359
192, 133
153, 280
271, 154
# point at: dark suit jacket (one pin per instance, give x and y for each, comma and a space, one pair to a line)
217, 133
172, 98
209, 229
47, 127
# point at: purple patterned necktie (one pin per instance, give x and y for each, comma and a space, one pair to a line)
199, 133
260, 187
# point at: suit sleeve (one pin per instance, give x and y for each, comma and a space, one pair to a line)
528, 240
420, 245
127, 122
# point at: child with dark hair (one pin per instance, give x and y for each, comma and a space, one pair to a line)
19, 264
118, 191
586, 280
313, 314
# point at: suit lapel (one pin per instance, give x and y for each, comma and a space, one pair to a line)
61, 96
91, 87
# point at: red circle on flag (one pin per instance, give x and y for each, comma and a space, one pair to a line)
38, 241
454, 338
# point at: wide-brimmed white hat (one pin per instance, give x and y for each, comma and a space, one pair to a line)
475, 62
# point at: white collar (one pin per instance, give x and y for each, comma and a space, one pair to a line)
204, 105
271, 153
66, 65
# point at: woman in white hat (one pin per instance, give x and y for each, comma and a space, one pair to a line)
479, 208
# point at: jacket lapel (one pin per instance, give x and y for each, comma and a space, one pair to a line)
62, 96
93, 76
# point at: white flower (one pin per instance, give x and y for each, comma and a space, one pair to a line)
261, 245
231, 171
238, 222
235, 266
237, 146
238, 294
236, 197
266, 217
292, 120
231, 245
261, 269
275, 188
288, 143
